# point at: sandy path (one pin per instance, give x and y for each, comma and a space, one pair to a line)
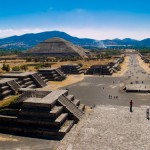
144, 65
70, 79
124, 68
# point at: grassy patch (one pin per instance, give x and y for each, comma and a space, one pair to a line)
8, 101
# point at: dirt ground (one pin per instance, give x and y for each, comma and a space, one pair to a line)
54, 85
31, 67
124, 68
144, 65
86, 64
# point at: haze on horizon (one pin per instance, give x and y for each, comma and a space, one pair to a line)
91, 19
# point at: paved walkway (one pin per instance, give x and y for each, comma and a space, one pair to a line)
110, 128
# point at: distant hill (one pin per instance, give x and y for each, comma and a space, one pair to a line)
27, 41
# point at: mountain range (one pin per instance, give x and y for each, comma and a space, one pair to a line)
27, 41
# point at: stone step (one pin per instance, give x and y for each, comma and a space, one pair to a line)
81, 107
32, 86
29, 83
41, 114
27, 79
19, 82
3, 88
76, 102
9, 112
56, 124
42, 77
45, 80
47, 133
61, 119
23, 86
8, 119
6, 93
14, 121
66, 127
70, 97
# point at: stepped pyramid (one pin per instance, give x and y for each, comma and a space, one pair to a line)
43, 114
56, 47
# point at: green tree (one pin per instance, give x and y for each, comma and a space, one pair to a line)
6, 67
24, 67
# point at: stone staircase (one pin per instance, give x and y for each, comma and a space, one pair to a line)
7, 89
26, 82
71, 107
14, 86
38, 80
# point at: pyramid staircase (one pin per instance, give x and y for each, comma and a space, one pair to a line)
37, 79
8, 88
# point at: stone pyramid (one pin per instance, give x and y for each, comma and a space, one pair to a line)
57, 47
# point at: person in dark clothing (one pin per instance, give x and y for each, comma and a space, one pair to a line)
131, 104
147, 113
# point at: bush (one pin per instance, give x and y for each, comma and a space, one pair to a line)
16, 68
6, 68
24, 67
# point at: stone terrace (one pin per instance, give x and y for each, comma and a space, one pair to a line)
43, 114
110, 128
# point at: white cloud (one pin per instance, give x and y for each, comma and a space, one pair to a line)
107, 33
95, 33
10, 32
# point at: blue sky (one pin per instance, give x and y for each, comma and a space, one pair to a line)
90, 18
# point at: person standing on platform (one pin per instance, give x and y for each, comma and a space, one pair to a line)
131, 104
147, 113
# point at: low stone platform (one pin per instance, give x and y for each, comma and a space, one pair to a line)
52, 74
26, 79
72, 69
139, 88
41, 114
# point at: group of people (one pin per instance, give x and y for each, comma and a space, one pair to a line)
111, 97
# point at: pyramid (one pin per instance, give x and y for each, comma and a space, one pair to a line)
57, 47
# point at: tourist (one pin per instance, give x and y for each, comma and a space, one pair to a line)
131, 104
147, 113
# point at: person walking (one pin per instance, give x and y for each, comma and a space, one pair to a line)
131, 104
147, 113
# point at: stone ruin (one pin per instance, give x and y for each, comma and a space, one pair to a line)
10, 83
109, 69
51, 74
42, 114
99, 70
71, 69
